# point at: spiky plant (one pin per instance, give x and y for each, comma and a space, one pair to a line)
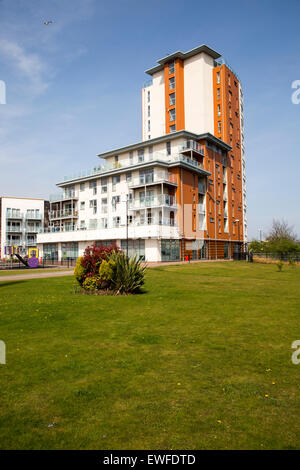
129, 273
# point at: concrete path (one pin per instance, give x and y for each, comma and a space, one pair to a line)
39, 275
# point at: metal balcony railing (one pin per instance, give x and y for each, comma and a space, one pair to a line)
193, 145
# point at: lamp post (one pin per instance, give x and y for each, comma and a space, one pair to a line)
127, 225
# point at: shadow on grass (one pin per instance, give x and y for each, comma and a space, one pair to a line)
9, 283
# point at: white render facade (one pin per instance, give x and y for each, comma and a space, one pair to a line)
21, 220
131, 197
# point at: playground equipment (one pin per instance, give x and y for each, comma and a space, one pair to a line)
30, 261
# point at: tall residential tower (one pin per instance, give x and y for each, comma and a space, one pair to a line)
181, 190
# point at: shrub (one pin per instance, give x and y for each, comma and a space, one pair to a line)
92, 283
79, 271
93, 257
279, 265
106, 270
128, 273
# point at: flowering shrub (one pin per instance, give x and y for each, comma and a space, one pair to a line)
108, 268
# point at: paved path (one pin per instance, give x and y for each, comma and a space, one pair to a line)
40, 274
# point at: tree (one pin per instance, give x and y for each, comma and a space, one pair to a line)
281, 231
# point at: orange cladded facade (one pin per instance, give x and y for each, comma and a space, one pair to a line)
223, 201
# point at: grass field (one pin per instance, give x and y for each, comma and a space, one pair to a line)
201, 360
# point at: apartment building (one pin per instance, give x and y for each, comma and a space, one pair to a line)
21, 219
181, 190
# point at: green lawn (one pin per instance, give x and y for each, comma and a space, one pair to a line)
202, 360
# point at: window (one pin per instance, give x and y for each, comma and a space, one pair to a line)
219, 110
115, 200
172, 99
116, 221
219, 224
148, 98
93, 186
82, 205
146, 176
82, 186
115, 180
128, 177
82, 224
230, 96
116, 158
171, 83
148, 111
93, 205
104, 223
141, 155
173, 128
218, 78
218, 93
219, 127
211, 220
229, 80
150, 150
149, 126
131, 158
104, 205
171, 67
168, 146
172, 115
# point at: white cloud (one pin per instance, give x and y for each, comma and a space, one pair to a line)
29, 65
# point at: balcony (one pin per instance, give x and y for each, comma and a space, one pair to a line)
63, 214
11, 229
35, 229
13, 215
158, 201
66, 196
153, 178
33, 216
192, 145
189, 161
201, 188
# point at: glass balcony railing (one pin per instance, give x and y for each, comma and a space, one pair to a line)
192, 145
155, 201
63, 213
63, 196
13, 229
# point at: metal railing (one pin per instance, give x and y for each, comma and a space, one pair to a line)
193, 145
14, 229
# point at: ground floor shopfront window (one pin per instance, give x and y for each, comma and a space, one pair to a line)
170, 250
69, 251
50, 251
135, 248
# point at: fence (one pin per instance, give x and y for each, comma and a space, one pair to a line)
278, 256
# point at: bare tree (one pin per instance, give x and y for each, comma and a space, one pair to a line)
281, 231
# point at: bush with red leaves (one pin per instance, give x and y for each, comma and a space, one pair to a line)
93, 257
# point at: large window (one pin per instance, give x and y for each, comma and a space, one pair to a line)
50, 251
141, 155
135, 248
170, 250
146, 176
69, 250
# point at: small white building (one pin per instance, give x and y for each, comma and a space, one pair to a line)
21, 219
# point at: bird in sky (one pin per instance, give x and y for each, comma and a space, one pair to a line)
47, 22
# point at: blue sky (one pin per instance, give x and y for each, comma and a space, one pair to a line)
74, 87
